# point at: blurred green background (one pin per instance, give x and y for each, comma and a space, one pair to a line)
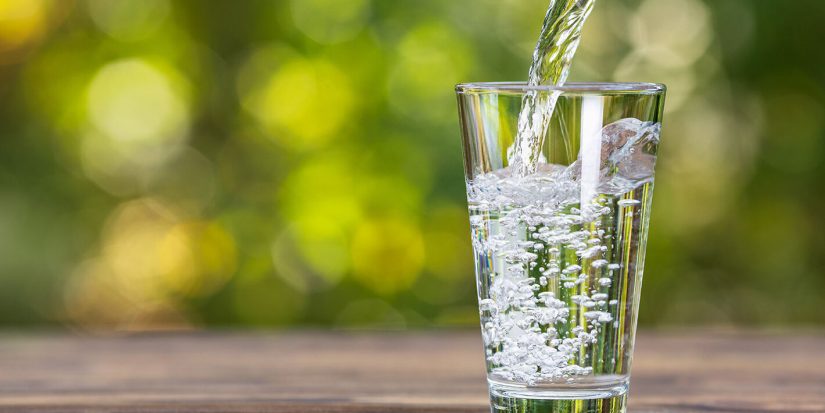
175, 164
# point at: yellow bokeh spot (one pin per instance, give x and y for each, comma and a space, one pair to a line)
21, 21
152, 259
326, 200
131, 240
330, 21
387, 255
196, 258
304, 104
135, 103
321, 194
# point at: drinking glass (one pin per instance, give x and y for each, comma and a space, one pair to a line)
560, 251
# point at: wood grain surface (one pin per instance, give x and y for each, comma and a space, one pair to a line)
371, 372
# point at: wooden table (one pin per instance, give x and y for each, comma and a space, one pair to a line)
369, 372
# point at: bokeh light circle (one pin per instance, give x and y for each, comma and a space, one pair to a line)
133, 102
21, 23
387, 254
152, 257
303, 104
139, 117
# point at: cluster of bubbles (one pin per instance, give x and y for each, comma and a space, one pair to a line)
545, 257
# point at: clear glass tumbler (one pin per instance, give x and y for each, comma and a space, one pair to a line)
560, 252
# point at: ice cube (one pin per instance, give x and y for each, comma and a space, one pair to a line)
616, 135
628, 156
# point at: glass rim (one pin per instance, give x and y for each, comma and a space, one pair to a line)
572, 88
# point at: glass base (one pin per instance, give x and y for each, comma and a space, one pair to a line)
606, 397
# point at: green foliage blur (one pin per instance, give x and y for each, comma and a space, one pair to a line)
182, 164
